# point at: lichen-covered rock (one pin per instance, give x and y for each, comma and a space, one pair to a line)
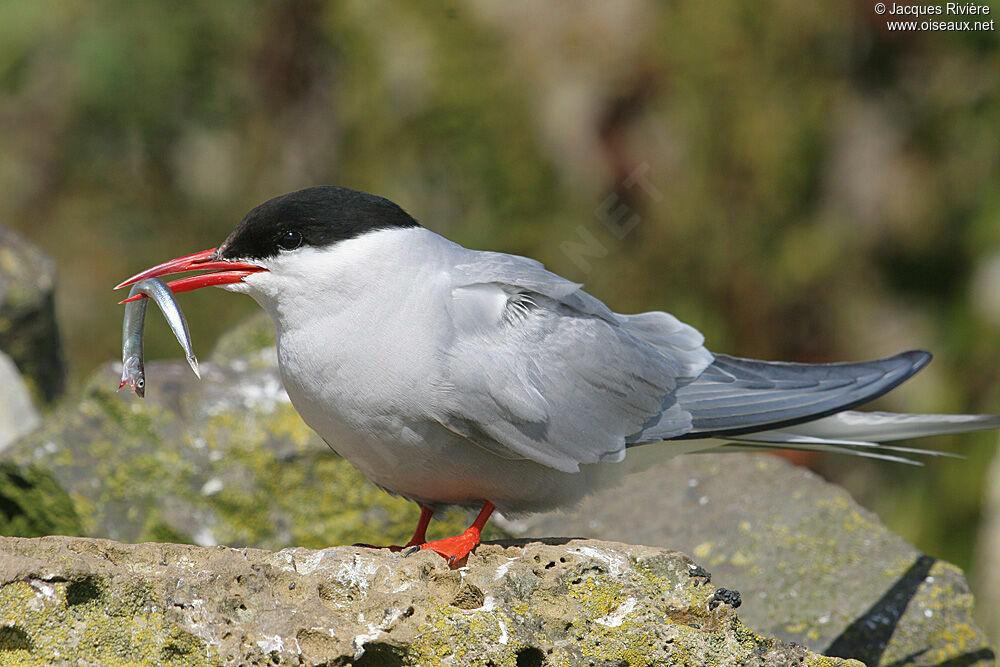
18, 415
813, 566
566, 602
28, 330
33, 504
223, 460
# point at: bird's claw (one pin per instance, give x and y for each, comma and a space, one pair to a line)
411, 550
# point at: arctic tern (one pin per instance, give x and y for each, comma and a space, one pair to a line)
453, 376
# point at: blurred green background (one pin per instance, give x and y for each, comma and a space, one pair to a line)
789, 177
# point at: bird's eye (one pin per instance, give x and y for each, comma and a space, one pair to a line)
289, 239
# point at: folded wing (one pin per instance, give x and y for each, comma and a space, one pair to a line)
536, 368
539, 369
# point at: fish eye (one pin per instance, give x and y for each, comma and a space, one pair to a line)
289, 239
140, 383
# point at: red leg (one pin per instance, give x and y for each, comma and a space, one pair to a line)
419, 535
458, 547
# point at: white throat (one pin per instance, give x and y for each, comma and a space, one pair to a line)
371, 272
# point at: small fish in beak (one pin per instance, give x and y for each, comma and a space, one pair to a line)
133, 372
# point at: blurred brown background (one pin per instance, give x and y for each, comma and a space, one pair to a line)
789, 177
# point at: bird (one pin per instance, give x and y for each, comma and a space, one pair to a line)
460, 377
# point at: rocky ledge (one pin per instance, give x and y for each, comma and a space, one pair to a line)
552, 602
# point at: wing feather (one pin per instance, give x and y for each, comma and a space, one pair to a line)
566, 380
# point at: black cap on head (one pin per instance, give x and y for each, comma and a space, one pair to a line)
318, 216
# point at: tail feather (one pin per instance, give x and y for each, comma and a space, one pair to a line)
858, 433
886, 426
835, 449
772, 440
753, 405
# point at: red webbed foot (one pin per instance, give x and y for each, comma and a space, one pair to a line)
458, 547
453, 548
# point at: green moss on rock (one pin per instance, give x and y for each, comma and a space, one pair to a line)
33, 503
91, 620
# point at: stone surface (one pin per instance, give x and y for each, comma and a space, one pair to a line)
223, 460
18, 415
86, 601
28, 329
813, 566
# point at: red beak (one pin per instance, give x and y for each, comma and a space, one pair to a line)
223, 272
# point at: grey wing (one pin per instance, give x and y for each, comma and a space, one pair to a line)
539, 369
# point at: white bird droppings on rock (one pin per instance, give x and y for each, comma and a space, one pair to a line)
309, 564
358, 573
504, 568
616, 563
270, 644
615, 618
503, 632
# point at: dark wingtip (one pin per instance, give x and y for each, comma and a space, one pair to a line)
918, 358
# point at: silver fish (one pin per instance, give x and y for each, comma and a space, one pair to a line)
133, 373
